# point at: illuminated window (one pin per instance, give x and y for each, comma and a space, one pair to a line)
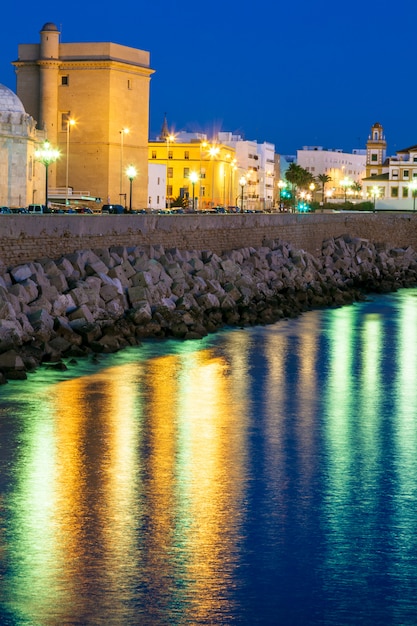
186, 172
170, 172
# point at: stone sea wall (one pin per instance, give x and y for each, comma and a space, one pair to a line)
26, 238
100, 300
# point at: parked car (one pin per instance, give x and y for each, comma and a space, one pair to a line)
4, 210
20, 210
38, 209
112, 208
84, 210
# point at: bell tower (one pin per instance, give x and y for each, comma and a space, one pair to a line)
376, 150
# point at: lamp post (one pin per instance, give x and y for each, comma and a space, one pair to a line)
413, 187
213, 152
193, 178
375, 195
169, 140
242, 183
46, 155
70, 122
281, 185
312, 187
346, 183
122, 132
131, 173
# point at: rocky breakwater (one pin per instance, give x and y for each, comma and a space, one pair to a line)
100, 301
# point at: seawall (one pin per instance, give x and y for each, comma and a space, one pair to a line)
26, 238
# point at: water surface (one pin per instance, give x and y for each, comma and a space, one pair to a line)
259, 476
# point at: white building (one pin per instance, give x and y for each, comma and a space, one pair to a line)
256, 162
390, 182
335, 163
157, 186
22, 179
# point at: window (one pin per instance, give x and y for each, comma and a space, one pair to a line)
395, 173
170, 172
169, 154
186, 172
64, 121
202, 173
414, 159
405, 192
202, 191
414, 175
157, 199
64, 80
129, 83
374, 157
154, 154
159, 181
186, 155
169, 190
394, 192
406, 174
150, 200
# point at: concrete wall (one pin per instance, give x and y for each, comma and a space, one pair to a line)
28, 237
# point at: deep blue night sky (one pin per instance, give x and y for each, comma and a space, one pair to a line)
290, 73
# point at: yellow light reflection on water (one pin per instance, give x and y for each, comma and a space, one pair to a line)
135, 471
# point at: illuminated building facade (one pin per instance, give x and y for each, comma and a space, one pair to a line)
104, 88
214, 165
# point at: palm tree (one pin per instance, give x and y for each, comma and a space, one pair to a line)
298, 177
323, 179
357, 188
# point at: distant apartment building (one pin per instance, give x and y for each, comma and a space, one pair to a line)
257, 163
104, 88
156, 186
338, 165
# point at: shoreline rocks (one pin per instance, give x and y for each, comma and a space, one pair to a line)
102, 300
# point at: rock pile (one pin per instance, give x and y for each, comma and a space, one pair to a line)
102, 300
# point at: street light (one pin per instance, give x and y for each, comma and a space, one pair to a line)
242, 183
281, 185
193, 178
122, 132
213, 152
346, 183
46, 155
375, 195
70, 122
312, 187
131, 173
413, 187
169, 139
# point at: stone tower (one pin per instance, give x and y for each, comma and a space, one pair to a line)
376, 150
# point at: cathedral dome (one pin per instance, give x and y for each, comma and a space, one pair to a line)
9, 102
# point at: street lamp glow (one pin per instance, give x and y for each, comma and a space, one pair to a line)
375, 194
242, 183
169, 139
346, 183
46, 155
193, 179
131, 173
70, 122
413, 187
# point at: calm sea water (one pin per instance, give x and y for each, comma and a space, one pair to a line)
259, 476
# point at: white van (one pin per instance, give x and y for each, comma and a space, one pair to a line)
37, 209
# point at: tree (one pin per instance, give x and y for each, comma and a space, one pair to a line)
298, 177
357, 188
323, 179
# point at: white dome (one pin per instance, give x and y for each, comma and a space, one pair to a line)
9, 102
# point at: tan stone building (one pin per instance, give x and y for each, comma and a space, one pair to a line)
104, 88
